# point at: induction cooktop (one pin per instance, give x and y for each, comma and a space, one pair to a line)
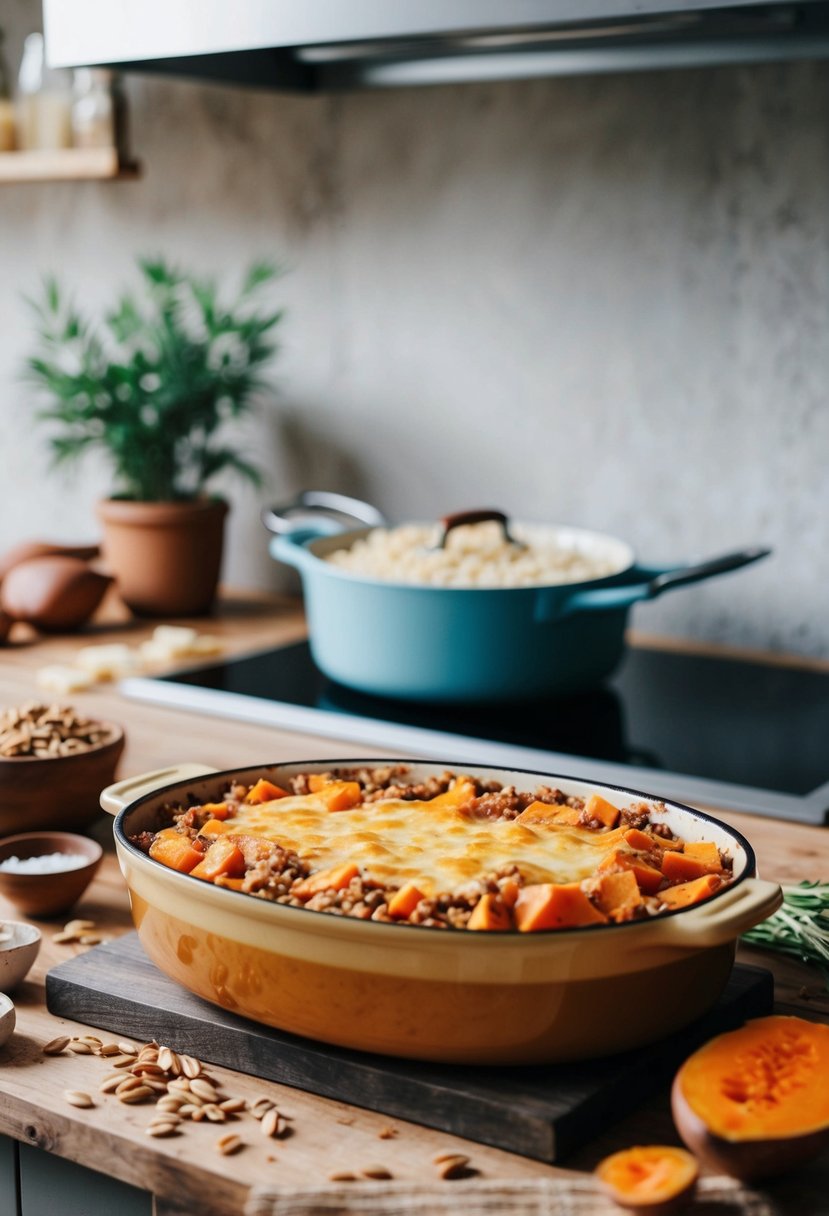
723, 732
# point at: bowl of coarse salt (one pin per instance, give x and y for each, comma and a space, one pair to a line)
44, 873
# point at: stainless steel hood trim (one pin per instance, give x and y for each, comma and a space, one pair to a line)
331, 44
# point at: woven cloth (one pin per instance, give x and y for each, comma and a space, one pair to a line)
519, 1197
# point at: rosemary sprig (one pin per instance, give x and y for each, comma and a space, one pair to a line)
800, 927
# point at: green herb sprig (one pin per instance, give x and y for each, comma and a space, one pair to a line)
800, 927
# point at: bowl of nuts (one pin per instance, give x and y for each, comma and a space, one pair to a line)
53, 764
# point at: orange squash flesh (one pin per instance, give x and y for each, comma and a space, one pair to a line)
648, 1178
403, 903
175, 850
490, 913
679, 867
755, 1102
548, 905
265, 791
336, 878
599, 808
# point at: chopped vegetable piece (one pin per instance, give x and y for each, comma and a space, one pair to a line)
648, 878
550, 905
265, 791
173, 849
678, 867
340, 795
641, 841
215, 827
223, 857
404, 901
599, 808
543, 812
490, 913
461, 792
706, 852
691, 892
216, 810
618, 895
335, 879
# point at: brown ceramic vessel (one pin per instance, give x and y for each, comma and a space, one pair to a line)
55, 594
166, 556
48, 894
55, 792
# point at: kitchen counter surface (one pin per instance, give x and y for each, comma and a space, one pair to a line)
185, 1172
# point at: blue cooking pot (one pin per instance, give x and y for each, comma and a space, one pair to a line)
427, 643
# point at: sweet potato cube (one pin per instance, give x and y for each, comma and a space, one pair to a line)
264, 791
175, 850
691, 892
641, 841
706, 852
648, 878
599, 808
216, 810
234, 884
223, 857
509, 890
618, 895
403, 903
549, 905
489, 913
548, 812
678, 867
461, 792
336, 878
215, 827
340, 795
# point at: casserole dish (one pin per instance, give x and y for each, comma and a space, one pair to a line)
441, 995
422, 642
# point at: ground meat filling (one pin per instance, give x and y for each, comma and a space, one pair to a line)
275, 873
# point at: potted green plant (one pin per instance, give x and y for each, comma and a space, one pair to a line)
156, 386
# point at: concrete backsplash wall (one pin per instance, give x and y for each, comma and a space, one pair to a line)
602, 301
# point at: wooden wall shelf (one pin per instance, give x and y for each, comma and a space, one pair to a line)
66, 165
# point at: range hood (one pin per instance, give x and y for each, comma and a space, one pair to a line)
320, 45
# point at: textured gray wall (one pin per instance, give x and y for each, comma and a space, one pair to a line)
602, 301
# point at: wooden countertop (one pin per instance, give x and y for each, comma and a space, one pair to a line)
185, 1172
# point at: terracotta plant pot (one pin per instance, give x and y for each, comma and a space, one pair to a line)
165, 556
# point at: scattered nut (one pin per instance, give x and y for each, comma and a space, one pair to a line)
376, 1171
190, 1066
161, 1129
55, 1046
35, 729
452, 1165
79, 1048
138, 1094
230, 1143
342, 1176
76, 1097
272, 1124
232, 1106
387, 1133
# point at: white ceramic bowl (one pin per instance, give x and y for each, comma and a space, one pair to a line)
18, 953
7, 1018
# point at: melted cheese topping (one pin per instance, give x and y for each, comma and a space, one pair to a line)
438, 848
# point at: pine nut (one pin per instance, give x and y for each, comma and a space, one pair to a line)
109, 1049
271, 1124
232, 1106
342, 1176
55, 1046
169, 1103
190, 1066
161, 1129
376, 1171
111, 1083
169, 1061
127, 1049
203, 1089
214, 1114
189, 1111
76, 1097
79, 1047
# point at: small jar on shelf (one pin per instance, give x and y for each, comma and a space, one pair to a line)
8, 139
94, 110
44, 101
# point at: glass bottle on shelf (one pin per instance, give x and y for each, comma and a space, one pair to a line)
93, 109
8, 139
44, 101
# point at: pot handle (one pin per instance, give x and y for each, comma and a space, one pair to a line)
623, 596
323, 506
115, 797
722, 919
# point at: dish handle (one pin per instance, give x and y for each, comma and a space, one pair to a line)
655, 583
115, 797
722, 919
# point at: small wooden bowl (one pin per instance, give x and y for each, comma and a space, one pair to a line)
48, 894
18, 953
43, 793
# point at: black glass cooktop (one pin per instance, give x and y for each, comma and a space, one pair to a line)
740, 725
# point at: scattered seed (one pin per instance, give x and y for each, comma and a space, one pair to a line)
109, 1049
131, 1096
232, 1106
167, 1060
79, 1047
189, 1111
93, 1041
79, 926
198, 1114
261, 1107
161, 1129
55, 1046
169, 1103
145, 1068
111, 1083
190, 1066
203, 1089
214, 1114
64, 937
342, 1176
452, 1166
122, 1061
387, 1133
126, 1084
228, 1144
127, 1049
376, 1171
76, 1097
271, 1123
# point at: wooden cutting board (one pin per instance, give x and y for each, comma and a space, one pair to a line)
545, 1113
